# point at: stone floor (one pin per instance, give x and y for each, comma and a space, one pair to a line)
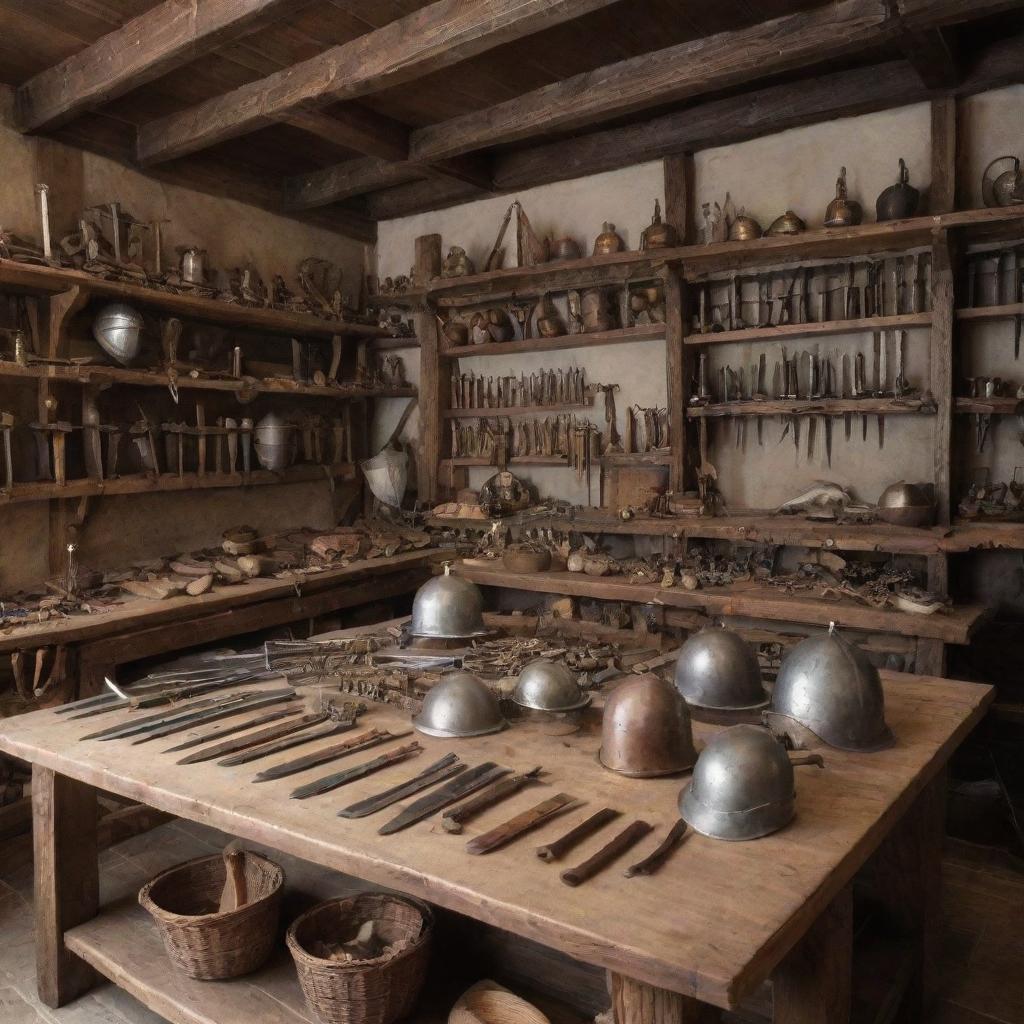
983, 970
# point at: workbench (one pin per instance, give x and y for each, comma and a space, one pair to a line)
711, 927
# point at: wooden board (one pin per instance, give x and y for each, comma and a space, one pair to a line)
748, 599
712, 924
813, 330
619, 336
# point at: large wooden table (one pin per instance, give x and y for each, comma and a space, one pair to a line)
712, 926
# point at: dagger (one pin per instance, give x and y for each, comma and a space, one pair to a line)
227, 710
253, 739
233, 727
286, 742
363, 741
359, 771
448, 766
154, 721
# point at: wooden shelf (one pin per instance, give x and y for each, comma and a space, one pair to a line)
988, 314
905, 321
514, 411
389, 344
523, 460
977, 535
749, 600
813, 407
410, 299
655, 458
145, 484
50, 281
1006, 406
620, 336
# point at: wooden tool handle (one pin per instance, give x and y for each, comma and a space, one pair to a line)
560, 847
661, 853
619, 845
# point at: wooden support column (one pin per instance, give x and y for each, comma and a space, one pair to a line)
432, 383
635, 1002
942, 194
813, 984
679, 196
66, 880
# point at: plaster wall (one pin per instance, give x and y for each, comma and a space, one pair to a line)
124, 529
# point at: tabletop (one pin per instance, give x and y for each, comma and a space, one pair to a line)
712, 923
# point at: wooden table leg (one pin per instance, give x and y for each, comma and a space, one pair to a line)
813, 984
908, 878
635, 1002
66, 880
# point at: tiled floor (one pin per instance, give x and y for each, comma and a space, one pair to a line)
983, 972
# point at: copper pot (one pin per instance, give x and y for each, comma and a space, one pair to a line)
658, 234
608, 241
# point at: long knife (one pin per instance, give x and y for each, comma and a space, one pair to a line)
522, 823
227, 710
253, 739
361, 742
456, 817
448, 766
228, 728
153, 721
469, 782
359, 771
286, 742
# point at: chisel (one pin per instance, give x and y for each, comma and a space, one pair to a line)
624, 841
448, 766
359, 771
515, 827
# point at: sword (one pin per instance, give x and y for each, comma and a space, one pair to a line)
252, 739
363, 741
448, 766
228, 710
359, 771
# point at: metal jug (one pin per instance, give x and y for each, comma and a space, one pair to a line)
899, 200
1005, 188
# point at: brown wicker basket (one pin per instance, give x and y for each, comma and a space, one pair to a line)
375, 991
205, 944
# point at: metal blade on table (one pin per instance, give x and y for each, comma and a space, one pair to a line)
227, 710
253, 739
363, 741
469, 782
448, 766
455, 817
359, 771
229, 728
515, 827
286, 742
140, 724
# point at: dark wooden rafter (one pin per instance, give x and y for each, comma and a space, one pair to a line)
423, 42
143, 49
933, 54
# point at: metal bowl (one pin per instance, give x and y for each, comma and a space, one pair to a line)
549, 686
903, 504
448, 608
717, 669
458, 707
117, 329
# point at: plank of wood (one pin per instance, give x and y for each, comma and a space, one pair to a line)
904, 321
66, 880
433, 384
633, 1002
934, 56
672, 74
945, 256
679, 203
619, 336
342, 181
357, 128
147, 47
513, 411
813, 407
717, 944
423, 42
989, 314
945, 148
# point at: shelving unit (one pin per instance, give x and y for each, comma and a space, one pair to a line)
905, 321
619, 336
813, 407
513, 411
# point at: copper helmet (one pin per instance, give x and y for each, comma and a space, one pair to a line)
646, 729
717, 669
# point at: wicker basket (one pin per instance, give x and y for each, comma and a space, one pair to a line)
205, 944
375, 991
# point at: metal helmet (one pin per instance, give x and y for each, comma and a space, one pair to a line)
117, 329
276, 441
646, 729
827, 687
742, 786
460, 705
717, 669
549, 686
448, 608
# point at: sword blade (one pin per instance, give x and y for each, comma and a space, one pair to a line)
447, 767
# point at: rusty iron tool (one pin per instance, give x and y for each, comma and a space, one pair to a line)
359, 771
228, 710
141, 724
512, 829
560, 847
228, 728
661, 853
363, 741
253, 739
469, 782
287, 741
624, 841
445, 768
454, 819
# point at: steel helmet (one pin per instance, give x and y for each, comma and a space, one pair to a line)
117, 329
717, 669
742, 786
448, 608
646, 729
460, 705
828, 691
549, 686
276, 442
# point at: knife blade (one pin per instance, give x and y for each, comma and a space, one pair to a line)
448, 766
232, 727
252, 739
285, 742
469, 782
365, 740
456, 817
359, 771
228, 710
515, 827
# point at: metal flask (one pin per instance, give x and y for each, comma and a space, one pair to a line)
742, 786
448, 608
608, 241
459, 706
903, 504
549, 686
117, 329
646, 731
899, 200
717, 669
843, 212
658, 234
276, 442
1003, 187
827, 691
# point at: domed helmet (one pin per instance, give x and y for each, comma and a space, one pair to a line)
448, 608
276, 441
717, 669
118, 331
459, 706
646, 729
549, 686
742, 786
827, 691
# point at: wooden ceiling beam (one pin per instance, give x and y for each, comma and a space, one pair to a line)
933, 54
428, 40
358, 129
163, 38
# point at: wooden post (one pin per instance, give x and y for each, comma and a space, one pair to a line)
428, 266
635, 1002
679, 196
942, 195
66, 880
813, 984
944, 263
